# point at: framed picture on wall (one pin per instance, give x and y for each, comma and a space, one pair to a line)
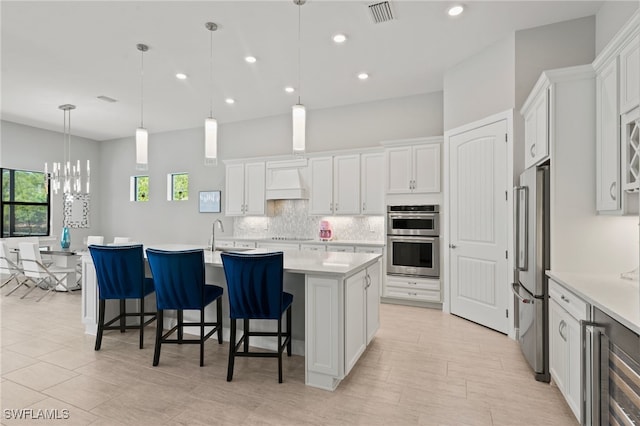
209, 201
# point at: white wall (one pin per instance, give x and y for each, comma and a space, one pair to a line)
611, 16
159, 220
481, 85
28, 148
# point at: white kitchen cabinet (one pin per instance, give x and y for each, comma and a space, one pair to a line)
313, 247
335, 185
608, 193
536, 124
321, 185
566, 310
346, 184
278, 246
630, 75
245, 244
630, 144
369, 249
413, 289
341, 248
355, 311
362, 307
413, 169
245, 189
617, 70
372, 184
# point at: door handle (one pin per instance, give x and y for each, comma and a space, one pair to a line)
612, 188
532, 150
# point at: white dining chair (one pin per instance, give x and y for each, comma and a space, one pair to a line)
120, 240
33, 268
10, 268
95, 240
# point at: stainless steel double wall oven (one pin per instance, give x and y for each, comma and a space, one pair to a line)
413, 243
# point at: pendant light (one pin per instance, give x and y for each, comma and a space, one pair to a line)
298, 110
67, 176
211, 124
142, 136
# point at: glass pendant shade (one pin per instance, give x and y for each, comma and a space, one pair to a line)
211, 139
142, 145
299, 119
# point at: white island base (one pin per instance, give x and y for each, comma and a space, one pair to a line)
335, 309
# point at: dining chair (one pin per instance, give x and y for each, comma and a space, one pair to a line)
91, 240
120, 276
10, 268
254, 283
121, 240
34, 269
180, 285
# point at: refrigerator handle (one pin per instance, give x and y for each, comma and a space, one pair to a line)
517, 294
521, 227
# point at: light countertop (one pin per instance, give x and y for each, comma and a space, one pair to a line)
373, 243
617, 297
300, 262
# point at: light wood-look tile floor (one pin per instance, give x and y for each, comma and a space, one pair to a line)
423, 368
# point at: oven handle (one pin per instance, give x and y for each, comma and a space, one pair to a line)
599, 367
517, 293
413, 216
412, 239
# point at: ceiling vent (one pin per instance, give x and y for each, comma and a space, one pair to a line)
106, 99
381, 12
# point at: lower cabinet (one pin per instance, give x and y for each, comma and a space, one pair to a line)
565, 359
361, 312
416, 289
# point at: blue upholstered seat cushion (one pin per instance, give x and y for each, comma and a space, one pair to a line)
211, 293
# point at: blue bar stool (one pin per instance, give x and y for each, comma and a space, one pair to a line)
180, 285
254, 282
120, 274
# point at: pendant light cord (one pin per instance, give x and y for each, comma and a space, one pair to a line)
142, 88
210, 74
299, 84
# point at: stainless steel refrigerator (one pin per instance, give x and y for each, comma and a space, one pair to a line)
530, 289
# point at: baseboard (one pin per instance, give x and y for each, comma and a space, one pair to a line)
419, 304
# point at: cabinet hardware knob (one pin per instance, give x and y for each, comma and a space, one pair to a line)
565, 299
532, 150
452, 246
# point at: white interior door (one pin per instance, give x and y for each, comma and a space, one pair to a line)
478, 225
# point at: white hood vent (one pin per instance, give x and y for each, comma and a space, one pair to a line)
285, 180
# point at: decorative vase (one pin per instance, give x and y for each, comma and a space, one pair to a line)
65, 238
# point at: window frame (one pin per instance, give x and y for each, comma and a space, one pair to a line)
12, 203
133, 188
171, 186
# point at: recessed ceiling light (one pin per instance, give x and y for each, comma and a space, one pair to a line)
181, 76
455, 10
289, 89
250, 59
363, 76
339, 38
230, 101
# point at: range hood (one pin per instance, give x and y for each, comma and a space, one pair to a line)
285, 181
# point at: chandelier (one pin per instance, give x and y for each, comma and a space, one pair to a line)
64, 175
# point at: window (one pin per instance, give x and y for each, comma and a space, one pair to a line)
25, 204
139, 188
177, 186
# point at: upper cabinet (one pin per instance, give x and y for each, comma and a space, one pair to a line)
413, 168
536, 124
629, 75
617, 99
372, 183
346, 185
245, 189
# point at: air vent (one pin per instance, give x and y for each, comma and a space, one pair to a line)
381, 12
107, 99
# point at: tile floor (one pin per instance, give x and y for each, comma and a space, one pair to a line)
423, 368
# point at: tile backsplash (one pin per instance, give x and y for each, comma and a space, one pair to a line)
291, 219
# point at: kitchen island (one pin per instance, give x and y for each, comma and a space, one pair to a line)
335, 309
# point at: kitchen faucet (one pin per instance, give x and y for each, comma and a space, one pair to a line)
213, 233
